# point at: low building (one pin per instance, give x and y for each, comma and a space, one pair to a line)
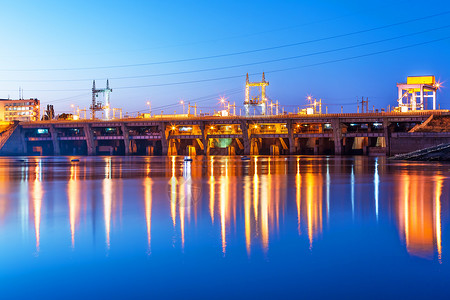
19, 110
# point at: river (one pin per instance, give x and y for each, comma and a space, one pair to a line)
222, 227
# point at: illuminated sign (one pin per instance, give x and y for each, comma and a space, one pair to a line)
421, 80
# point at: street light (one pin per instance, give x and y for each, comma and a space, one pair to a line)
223, 100
226, 104
149, 107
182, 103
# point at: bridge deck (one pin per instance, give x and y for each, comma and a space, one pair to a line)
287, 132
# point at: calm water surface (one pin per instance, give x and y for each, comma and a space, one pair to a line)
220, 227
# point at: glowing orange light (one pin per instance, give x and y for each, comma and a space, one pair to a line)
148, 208
212, 192
74, 209
223, 100
438, 85
173, 128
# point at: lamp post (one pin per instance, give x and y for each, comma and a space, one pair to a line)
149, 107
226, 104
182, 103
74, 111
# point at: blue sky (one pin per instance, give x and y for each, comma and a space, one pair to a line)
54, 49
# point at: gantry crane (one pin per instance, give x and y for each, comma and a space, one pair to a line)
98, 105
255, 101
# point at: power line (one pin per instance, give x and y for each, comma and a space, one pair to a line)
297, 67
267, 72
207, 41
67, 98
245, 64
234, 53
293, 68
195, 100
362, 55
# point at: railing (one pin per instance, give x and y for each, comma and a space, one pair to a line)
191, 132
222, 132
258, 117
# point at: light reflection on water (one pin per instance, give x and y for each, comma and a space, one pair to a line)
222, 205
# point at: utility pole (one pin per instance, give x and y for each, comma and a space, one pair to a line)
366, 103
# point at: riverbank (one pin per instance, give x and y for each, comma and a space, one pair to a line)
436, 153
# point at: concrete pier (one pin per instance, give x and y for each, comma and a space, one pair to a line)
338, 134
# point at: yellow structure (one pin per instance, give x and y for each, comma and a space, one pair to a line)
429, 80
19, 110
413, 93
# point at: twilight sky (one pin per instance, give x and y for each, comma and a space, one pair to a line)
165, 51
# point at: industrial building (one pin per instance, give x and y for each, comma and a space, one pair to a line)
413, 94
19, 110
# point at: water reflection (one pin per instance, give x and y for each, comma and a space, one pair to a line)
73, 194
224, 199
376, 183
23, 198
36, 197
212, 190
314, 205
298, 193
173, 192
183, 195
420, 214
352, 186
328, 189
437, 209
148, 206
257, 202
107, 199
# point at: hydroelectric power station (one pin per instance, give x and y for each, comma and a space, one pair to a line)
257, 132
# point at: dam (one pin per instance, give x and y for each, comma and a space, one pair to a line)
384, 133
